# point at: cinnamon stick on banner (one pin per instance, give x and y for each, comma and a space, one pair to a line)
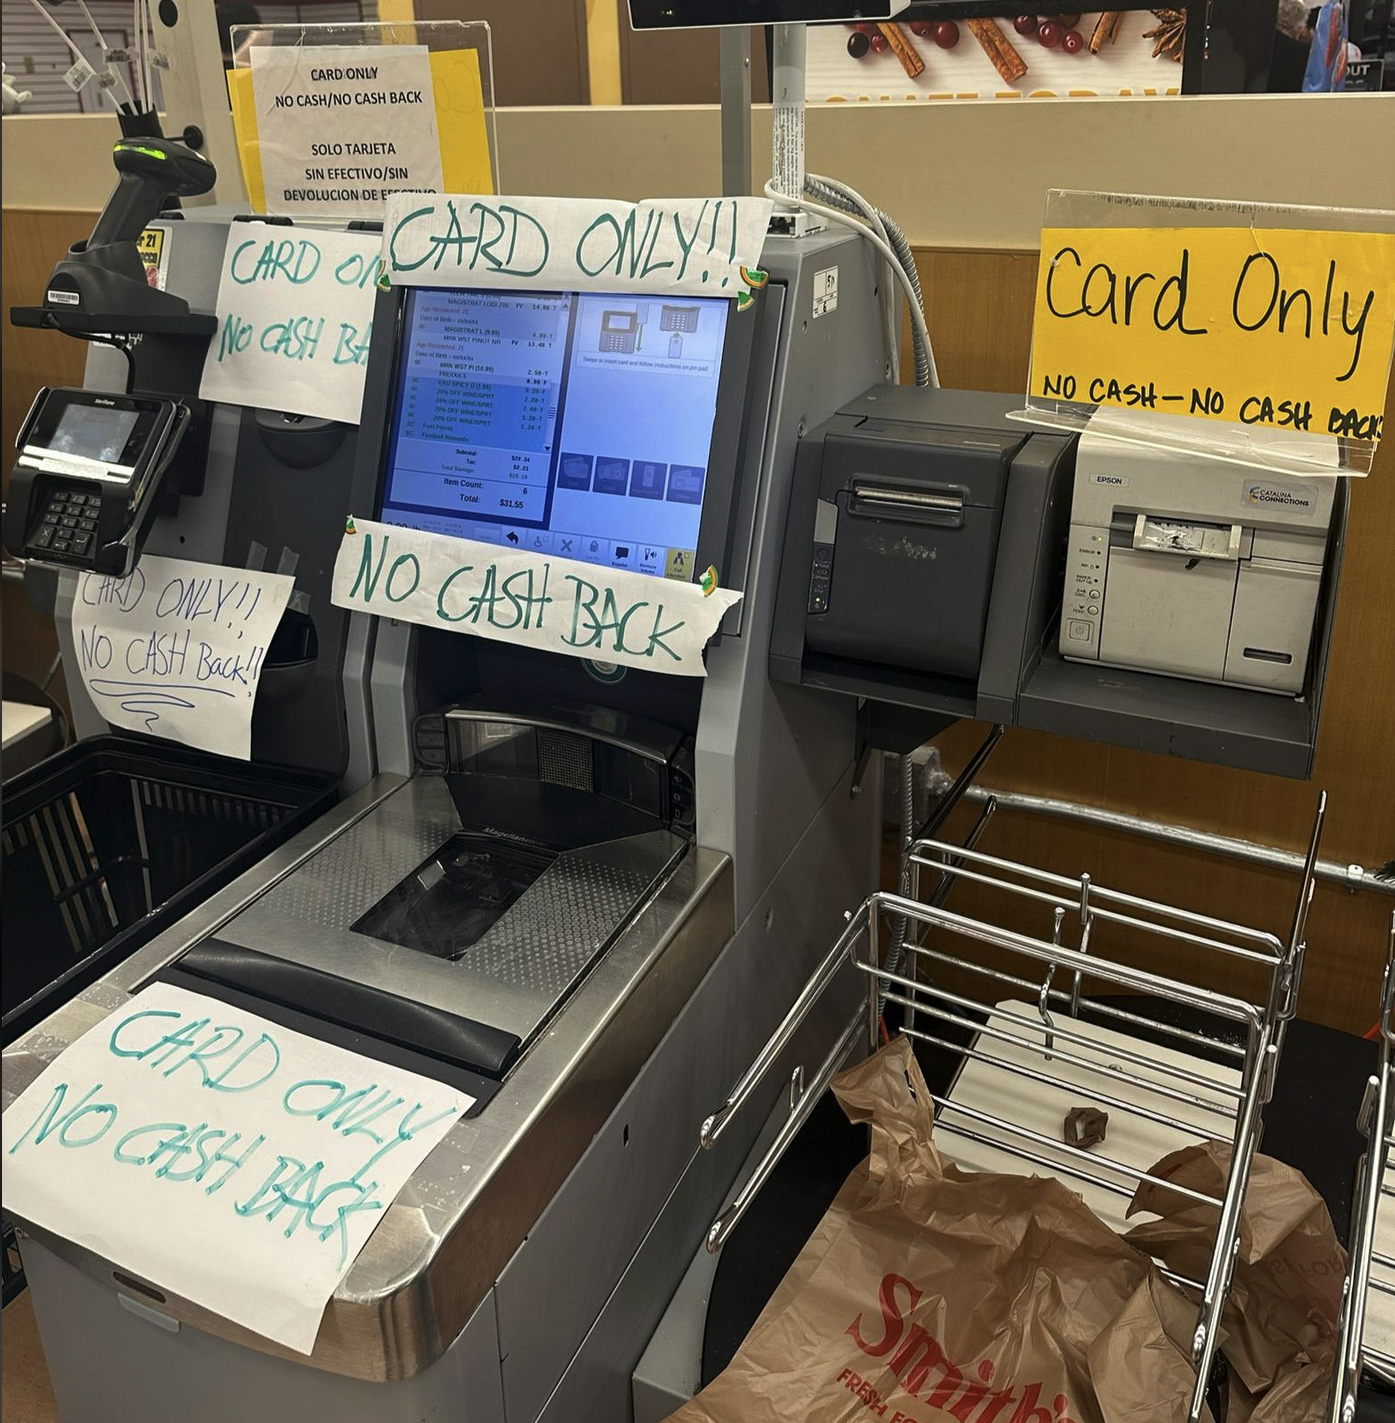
1106, 28
996, 45
903, 49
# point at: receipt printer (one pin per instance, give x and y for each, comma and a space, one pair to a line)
919, 521
1182, 563
83, 490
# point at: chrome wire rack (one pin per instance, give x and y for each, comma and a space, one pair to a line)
1369, 1289
1108, 1004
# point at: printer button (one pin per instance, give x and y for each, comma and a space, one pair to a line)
1094, 610
1078, 630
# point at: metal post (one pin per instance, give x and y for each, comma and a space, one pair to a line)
735, 43
195, 91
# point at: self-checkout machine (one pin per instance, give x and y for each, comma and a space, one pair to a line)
576, 889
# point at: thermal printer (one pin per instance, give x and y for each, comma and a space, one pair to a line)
920, 552
1182, 560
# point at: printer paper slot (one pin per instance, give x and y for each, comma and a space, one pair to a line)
885, 501
1193, 539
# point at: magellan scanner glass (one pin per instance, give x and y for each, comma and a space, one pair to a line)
577, 424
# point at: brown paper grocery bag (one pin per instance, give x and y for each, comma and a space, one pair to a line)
930, 1294
1281, 1313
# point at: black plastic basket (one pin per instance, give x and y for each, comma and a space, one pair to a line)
106, 844
110, 841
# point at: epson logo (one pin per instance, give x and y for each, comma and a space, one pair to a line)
101, 400
1117, 479
1275, 496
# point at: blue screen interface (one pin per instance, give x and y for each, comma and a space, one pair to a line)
577, 424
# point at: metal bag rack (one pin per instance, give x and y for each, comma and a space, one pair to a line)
1369, 1271
1063, 1025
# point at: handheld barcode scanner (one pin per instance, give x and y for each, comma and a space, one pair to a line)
83, 490
104, 275
153, 170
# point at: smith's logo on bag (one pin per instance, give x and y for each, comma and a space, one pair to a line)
918, 1355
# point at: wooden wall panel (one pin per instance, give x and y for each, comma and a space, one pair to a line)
979, 309
33, 242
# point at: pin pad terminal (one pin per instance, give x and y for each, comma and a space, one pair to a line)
82, 491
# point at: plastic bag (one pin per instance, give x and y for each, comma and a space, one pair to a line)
928, 1294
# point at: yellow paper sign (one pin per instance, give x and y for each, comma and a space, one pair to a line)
1273, 327
458, 100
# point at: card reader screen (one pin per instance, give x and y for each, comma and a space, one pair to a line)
93, 431
571, 423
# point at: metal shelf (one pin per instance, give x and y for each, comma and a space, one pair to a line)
1193, 1064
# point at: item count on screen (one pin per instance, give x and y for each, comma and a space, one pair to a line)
571, 423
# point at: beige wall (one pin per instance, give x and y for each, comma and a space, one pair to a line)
953, 175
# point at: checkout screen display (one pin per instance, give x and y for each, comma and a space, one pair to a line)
571, 423
94, 432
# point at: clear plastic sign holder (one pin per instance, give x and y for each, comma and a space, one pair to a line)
349, 121
1248, 333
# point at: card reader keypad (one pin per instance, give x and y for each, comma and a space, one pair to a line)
68, 524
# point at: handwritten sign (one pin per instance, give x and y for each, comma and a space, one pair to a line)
1280, 328
295, 318
219, 1156
558, 604
335, 129
176, 649
700, 246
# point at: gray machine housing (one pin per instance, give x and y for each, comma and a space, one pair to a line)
520, 1273
267, 481
921, 553
1182, 564
968, 508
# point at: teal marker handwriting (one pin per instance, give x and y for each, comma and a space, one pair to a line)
281, 1179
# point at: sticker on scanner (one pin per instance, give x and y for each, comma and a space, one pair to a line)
533, 600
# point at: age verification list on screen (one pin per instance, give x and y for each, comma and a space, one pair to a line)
571, 423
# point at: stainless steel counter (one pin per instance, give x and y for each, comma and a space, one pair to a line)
471, 1203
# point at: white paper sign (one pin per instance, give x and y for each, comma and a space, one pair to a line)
295, 315
533, 600
342, 126
176, 648
219, 1156
697, 246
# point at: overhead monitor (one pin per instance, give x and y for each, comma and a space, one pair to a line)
578, 424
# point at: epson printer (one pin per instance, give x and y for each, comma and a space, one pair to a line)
1190, 564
